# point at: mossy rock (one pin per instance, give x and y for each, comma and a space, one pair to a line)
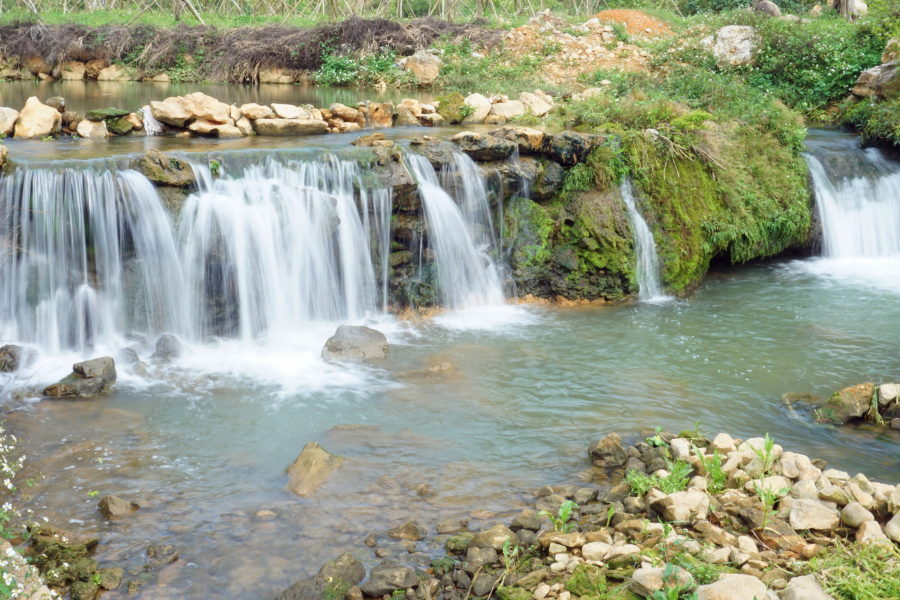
620, 574
587, 580
512, 593
621, 592
83, 569
111, 579
450, 107
624, 562
84, 590
457, 544
101, 114
119, 126
166, 169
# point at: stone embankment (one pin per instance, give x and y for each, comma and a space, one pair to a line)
865, 402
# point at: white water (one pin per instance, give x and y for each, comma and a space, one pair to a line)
151, 125
647, 268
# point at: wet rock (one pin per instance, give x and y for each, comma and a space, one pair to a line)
162, 554
14, 358
289, 127
111, 579
92, 129
411, 530
647, 581
167, 346
495, 538
608, 452
264, 515
121, 126
90, 378
166, 169
356, 342
528, 519
127, 357
483, 147
101, 114
478, 558
311, 469
571, 147
440, 371
334, 579
451, 526
457, 544
387, 578
84, 590
549, 180
37, 120
848, 404
254, 111
734, 587
113, 506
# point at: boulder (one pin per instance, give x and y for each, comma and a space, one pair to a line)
888, 393
891, 51
13, 358
549, 181
736, 45
311, 469
689, 505
767, 7
92, 129
869, 532
854, 515
425, 66
113, 506
646, 581
530, 141
244, 126
450, 107
733, 587
289, 111
880, 83
344, 112
167, 346
431, 120
892, 528
124, 125
411, 530
90, 378
388, 578
804, 588
608, 451
8, 118
160, 167
508, 110
341, 573
170, 111
483, 147
595, 551
101, 114
404, 117
356, 342
37, 120
571, 147
207, 108
535, 105
277, 75
217, 130
481, 108
848, 404
379, 114
813, 514
92, 68
72, 71
289, 127
527, 519
724, 443
113, 73
254, 111
495, 538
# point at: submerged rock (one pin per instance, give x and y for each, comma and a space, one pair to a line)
113, 506
848, 404
162, 554
311, 469
90, 378
14, 358
388, 578
411, 530
166, 169
356, 342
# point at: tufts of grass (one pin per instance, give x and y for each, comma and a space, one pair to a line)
857, 571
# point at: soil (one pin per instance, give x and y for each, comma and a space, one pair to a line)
636, 22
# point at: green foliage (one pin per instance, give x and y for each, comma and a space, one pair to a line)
466, 69
703, 572
693, 7
604, 166
587, 581
768, 497
561, 520
857, 571
676, 481
671, 589
338, 70
712, 465
640, 483
656, 440
877, 121
766, 454
215, 167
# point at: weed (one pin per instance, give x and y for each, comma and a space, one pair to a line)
640, 483
768, 497
656, 440
766, 454
609, 513
856, 571
678, 477
712, 465
561, 520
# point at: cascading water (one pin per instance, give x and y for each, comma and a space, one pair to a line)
151, 125
468, 276
647, 268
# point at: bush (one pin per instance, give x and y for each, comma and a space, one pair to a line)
337, 70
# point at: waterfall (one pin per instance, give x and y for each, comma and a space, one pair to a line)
151, 125
459, 234
647, 268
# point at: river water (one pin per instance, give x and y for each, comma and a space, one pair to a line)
204, 442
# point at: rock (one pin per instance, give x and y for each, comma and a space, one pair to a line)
84, 590
288, 127
681, 448
571, 147
356, 342
170, 111
813, 514
891, 51
311, 469
8, 118
716, 535
166, 169
431, 120
90, 378
767, 7
530, 141
366, 141
289, 111
481, 106
724, 443
483, 583
13, 358
123, 125
254, 111
733, 587
113, 73
534, 104
113, 506
595, 551
244, 126
111, 578
854, 515
805, 489
483, 147
167, 346
798, 466
683, 506
736, 45
495, 538
217, 130
777, 484
344, 572
892, 528
206, 108
451, 526
870, 531
584, 495
344, 112
162, 554
848, 404
72, 71
646, 581
804, 588
888, 393
387, 578
101, 114
411, 530
608, 452
508, 110
37, 120
425, 66
528, 519
92, 68
512, 593
832, 493
379, 115
92, 129
450, 107
279, 75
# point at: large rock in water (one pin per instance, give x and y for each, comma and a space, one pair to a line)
848, 404
113, 506
37, 120
425, 66
13, 358
356, 342
167, 346
288, 127
387, 578
341, 573
166, 169
483, 147
311, 469
736, 45
90, 378
608, 452
8, 118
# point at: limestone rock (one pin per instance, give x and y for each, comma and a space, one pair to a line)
733, 587
495, 538
425, 66
388, 578
571, 147
481, 106
276, 75
90, 378
92, 129
203, 107
72, 71
892, 528
8, 118
724, 443
344, 112
813, 514
379, 115
508, 110
14, 358
356, 342
683, 506
646, 581
254, 111
530, 141
289, 127
608, 451
848, 404
767, 7
535, 105
113, 506
736, 45
595, 551
92, 68
891, 51
289, 111
870, 531
170, 111
112, 73
311, 469
216, 130
854, 515
804, 588
37, 120
483, 147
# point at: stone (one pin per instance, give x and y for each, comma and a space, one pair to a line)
854, 515
84, 590
166, 169
777, 484
832, 493
535, 105
425, 66
111, 578
483, 583
388, 578
411, 530
37, 120
848, 404
289, 111
478, 558
344, 112
646, 581
162, 554
595, 551
483, 147
89, 378
512, 593
530, 141
344, 572
681, 448
891, 52
571, 147
278, 75
734, 587
92, 68
170, 111
92, 129
608, 452
541, 592
254, 111
724, 443
431, 120
527, 519
101, 114
113, 73
813, 514
747, 544
244, 126
736, 45
14, 358
457, 544
798, 466
888, 393
113, 506
716, 535
508, 110
356, 342
683, 506
311, 469
124, 125
72, 71
870, 531
216, 130
379, 115
495, 538
481, 106
892, 528
203, 107
289, 127
805, 489
8, 118
167, 346
767, 7
587, 581
804, 588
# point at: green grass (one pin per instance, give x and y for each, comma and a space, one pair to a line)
468, 69
857, 571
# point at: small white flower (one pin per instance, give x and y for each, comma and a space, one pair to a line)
65, 565
46, 520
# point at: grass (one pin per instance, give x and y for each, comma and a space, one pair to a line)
676, 481
857, 571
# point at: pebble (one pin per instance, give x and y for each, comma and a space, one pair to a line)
541, 592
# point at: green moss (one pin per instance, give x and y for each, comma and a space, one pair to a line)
529, 223
587, 580
458, 543
512, 593
451, 107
